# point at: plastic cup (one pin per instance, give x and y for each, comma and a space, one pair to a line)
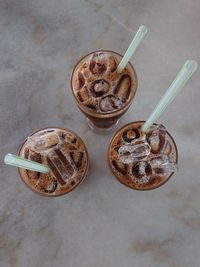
127, 174
104, 122
49, 184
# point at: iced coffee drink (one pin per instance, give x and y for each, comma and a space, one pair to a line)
63, 152
102, 93
142, 161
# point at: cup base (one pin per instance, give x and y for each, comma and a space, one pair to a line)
100, 130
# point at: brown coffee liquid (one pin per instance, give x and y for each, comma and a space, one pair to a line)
64, 153
130, 174
98, 86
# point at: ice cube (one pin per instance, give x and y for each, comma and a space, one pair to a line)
83, 94
134, 152
98, 63
99, 87
81, 80
52, 187
112, 64
34, 156
161, 164
110, 103
91, 104
60, 166
130, 135
167, 148
123, 88
141, 169
77, 158
120, 167
45, 141
156, 138
156, 161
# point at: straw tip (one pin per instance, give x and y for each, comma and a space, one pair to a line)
143, 29
7, 158
191, 65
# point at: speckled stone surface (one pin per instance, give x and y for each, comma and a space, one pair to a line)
100, 223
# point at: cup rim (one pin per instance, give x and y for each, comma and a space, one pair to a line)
108, 114
84, 175
110, 167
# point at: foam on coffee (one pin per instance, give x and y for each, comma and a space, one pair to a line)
98, 86
142, 161
64, 153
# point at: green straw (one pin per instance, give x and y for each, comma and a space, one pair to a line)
137, 39
181, 79
20, 162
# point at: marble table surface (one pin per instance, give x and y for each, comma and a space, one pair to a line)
101, 223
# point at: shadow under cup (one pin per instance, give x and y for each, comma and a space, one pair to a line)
105, 122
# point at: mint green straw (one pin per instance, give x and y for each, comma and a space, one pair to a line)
181, 79
137, 39
20, 162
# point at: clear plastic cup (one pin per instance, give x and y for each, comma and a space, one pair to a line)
144, 171
65, 154
103, 121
